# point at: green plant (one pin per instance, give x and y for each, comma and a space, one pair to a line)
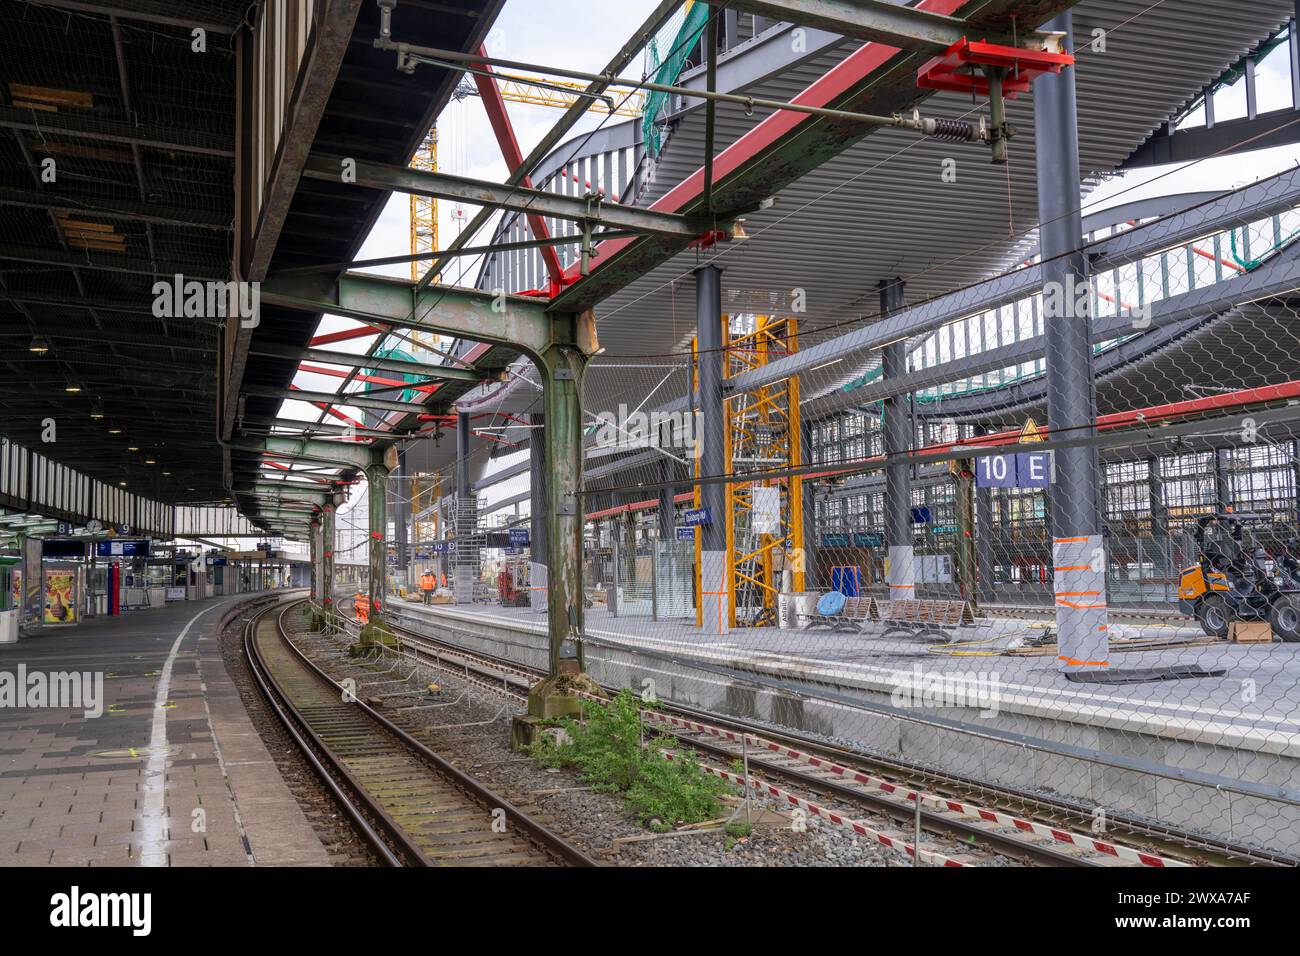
739, 829
607, 750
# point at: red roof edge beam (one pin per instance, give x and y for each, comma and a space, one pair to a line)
347, 334
429, 387
781, 148
495, 105
331, 410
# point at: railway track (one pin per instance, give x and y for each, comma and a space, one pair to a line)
982, 839
951, 807
409, 803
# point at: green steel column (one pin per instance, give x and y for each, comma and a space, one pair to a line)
314, 556
327, 555
563, 367
377, 495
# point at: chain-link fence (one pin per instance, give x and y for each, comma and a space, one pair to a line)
954, 561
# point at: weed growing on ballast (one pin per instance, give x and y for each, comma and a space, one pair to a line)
606, 749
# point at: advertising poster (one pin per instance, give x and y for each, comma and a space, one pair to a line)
60, 596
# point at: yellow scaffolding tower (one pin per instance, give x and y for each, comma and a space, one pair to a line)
425, 491
762, 433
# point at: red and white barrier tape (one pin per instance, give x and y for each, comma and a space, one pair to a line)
928, 857
856, 776
956, 806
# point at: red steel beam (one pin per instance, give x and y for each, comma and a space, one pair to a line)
347, 334
495, 105
331, 410
362, 377
755, 162
648, 504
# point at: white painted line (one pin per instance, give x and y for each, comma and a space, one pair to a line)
151, 821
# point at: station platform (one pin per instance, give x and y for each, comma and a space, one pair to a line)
878, 656
161, 768
1219, 753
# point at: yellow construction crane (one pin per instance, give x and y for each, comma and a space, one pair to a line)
424, 209
518, 91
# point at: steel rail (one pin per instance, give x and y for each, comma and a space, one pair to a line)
865, 762
545, 838
310, 745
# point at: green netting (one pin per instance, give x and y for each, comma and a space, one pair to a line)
667, 72
1250, 265
408, 395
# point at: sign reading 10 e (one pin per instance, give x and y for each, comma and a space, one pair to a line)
1033, 469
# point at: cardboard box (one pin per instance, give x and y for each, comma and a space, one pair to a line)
1250, 632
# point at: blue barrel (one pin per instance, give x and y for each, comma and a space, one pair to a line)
846, 579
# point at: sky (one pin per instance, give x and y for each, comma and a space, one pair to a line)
584, 35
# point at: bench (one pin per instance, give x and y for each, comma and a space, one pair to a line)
856, 612
925, 612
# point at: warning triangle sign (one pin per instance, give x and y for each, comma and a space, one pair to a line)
1030, 432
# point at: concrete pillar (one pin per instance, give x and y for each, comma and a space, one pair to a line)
328, 518
377, 498
1162, 558
402, 520
462, 561
1295, 471
900, 569
629, 546
314, 551
985, 558
714, 572
809, 544
1222, 486
1078, 549
667, 507
538, 534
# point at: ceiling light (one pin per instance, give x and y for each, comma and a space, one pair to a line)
96, 412
122, 484
168, 473
72, 388
39, 345
150, 461
132, 447
115, 431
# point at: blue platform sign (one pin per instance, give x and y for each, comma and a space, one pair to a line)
442, 547
1034, 469
920, 516
519, 537
1031, 469
685, 534
697, 516
995, 471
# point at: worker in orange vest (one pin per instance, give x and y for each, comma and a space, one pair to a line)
361, 604
427, 583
